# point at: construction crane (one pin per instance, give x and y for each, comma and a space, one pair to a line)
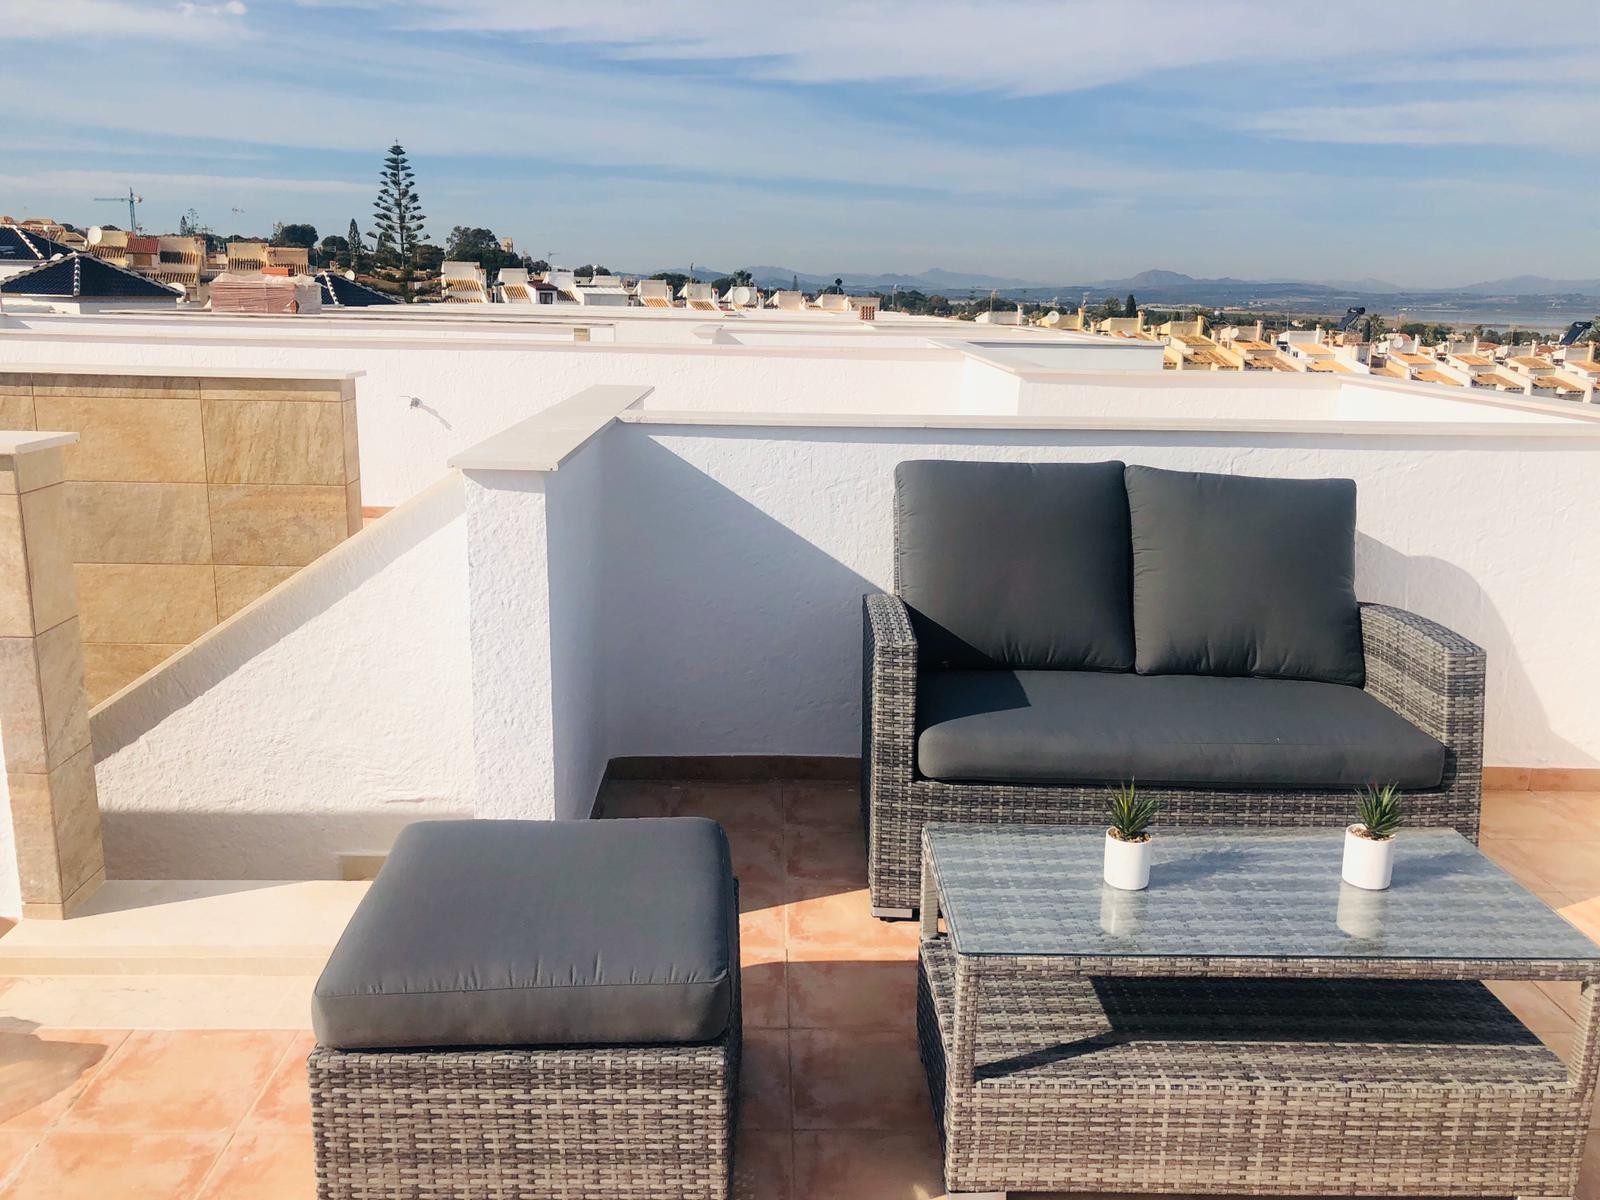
131, 201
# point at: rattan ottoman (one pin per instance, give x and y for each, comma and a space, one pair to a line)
1247, 1025
534, 1010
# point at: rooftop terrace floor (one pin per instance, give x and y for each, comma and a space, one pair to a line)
834, 1103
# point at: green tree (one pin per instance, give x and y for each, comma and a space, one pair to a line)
535, 266
429, 258
334, 249
397, 212
675, 279
1130, 306
590, 270
471, 244
356, 248
304, 236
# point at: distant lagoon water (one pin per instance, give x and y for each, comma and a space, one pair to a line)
1514, 316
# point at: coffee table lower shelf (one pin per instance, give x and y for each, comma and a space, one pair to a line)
1245, 1086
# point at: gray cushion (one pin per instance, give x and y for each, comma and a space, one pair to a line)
1234, 575
1015, 564
1182, 730
529, 933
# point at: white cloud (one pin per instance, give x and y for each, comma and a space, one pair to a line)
1563, 121
84, 181
1015, 47
104, 22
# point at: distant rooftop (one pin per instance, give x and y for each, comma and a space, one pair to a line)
84, 277
27, 245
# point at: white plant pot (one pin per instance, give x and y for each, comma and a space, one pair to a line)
1367, 863
1128, 863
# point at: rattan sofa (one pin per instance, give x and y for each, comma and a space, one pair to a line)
1414, 667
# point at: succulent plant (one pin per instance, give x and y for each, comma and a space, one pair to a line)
1379, 810
1130, 813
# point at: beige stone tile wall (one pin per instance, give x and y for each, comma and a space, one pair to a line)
44, 712
186, 498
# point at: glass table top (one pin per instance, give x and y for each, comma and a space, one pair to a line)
1237, 893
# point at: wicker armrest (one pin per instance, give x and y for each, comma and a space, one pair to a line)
889, 669
888, 710
1428, 674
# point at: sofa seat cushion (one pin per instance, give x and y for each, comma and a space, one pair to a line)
1058, 727
1237, 575
1024, 565
538, 933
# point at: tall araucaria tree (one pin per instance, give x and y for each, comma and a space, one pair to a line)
397, 214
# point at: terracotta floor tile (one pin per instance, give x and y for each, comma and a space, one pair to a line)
763, 1165
841, 927
114, 1166
822, 805
1577, 782
764, 1097
258, 1165
638, 798
1566, 866
285, 1105
43, 1072
758, 864
1584, 913
14, 1147
744, 806
167, 1082
1539, 816
858, 1079
1567, 995
833, 858
766, 995
765, 980
868, 1166
852, 995
1522, 859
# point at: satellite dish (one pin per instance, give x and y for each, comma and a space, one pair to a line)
743, 296
350, 275
95, 235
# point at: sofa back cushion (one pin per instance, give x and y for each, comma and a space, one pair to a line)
1017, 565
1235, 575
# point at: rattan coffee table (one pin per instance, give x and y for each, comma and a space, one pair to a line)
1248, 1025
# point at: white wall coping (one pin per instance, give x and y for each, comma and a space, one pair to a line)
7, 368
1577, 431
545, 440
546, 338
26, 441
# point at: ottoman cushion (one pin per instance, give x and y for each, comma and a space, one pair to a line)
537, 933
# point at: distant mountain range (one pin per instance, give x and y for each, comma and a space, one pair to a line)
1172, 287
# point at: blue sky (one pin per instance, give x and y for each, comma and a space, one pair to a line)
1424, 144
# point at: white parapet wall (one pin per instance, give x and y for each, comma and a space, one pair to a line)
736, 556
314, 723
609, 578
